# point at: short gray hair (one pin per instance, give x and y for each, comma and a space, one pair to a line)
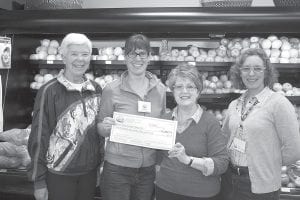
75, 38
185, 71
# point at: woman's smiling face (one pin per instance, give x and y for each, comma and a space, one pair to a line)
137, 61
185, 92
77, 60
253, 73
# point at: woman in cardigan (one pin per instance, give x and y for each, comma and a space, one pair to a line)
263, 131
191, 169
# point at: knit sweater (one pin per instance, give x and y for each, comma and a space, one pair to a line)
202, 139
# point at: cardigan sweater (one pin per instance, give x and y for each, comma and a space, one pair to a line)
272, 138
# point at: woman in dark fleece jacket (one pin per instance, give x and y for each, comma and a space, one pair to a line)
64, 145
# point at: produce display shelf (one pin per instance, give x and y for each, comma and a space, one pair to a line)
120, 64
15, 181
293, 194
163, 65
223, 99
287, 67
202, 66
47, 64
294, 99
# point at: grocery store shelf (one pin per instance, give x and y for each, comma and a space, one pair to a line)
221, 99
202, 66
290, 67
164, 65
15, 182
120, 65
47, 64
180, 22
294, 99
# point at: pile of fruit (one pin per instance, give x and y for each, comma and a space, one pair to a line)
43, 77
46, 75
48, 50
279, 50
219, 114
216, 85
110, 53
13, 149
286, 89
290, 175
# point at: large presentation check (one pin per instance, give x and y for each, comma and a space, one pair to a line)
143, 131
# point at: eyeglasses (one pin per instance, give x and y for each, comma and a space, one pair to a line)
142, 54
189, 88
255, 69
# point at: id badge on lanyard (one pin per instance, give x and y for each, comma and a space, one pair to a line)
238, 144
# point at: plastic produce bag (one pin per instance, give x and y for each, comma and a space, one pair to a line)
11, 150
16, 136
9, 162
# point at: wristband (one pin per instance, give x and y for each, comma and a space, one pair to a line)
191, 161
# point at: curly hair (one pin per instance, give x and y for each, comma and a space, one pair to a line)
186, 71
270, 75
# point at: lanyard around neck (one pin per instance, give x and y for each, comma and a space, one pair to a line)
245, 113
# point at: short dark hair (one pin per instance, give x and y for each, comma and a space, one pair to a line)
137, 41
186, 71
270, 76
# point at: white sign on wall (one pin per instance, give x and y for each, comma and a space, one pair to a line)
5, 52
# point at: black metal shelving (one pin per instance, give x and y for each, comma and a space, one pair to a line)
27, 27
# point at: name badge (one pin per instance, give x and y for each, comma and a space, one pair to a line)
238, 145
144, 106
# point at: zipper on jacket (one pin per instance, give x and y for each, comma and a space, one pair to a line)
62, 156
83, 104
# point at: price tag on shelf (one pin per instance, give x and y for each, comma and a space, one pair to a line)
285, 189
192, 63
49, 61
3, 170
108, 62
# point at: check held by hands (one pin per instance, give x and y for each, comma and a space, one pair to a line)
178, 151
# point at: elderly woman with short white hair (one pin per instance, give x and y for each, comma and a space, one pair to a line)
64, 145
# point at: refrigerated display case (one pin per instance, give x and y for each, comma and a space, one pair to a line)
27, 28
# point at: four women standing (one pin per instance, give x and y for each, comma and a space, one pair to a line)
261, 132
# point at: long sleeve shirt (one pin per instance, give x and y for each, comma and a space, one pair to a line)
272, 138
202, 139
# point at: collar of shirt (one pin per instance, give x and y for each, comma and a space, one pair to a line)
153, 81
260, 97
196, 116
86, 85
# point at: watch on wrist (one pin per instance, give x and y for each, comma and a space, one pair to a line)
191, 161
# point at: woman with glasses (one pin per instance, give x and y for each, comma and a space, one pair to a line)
191, 169
129, 171
263, 131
